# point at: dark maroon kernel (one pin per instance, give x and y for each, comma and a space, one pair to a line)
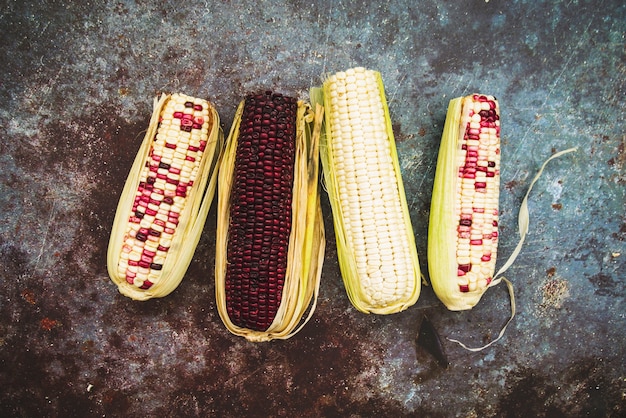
188, 104
155, 266
141, 237
465, 267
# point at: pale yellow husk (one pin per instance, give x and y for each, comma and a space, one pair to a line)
306, 241
345, 251
191, 220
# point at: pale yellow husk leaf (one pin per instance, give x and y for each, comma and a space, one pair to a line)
442, 226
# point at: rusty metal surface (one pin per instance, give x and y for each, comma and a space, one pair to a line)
76, 86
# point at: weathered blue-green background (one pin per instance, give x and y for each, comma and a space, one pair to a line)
76, 86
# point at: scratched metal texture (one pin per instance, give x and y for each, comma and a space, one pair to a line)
77, 81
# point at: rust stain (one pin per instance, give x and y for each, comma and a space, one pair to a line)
48, 324
555, 291
29, 296
511, 184
87, 346
620, 159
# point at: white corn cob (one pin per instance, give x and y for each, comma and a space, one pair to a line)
375, 243
163, 206
463, 228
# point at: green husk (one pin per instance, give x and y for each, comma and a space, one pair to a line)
442, 223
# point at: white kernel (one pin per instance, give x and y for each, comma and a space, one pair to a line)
151, 246
135, 256
361, 260
180, 162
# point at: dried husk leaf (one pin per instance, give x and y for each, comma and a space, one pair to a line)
191, 220
306, 241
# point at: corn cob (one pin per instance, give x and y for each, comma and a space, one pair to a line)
270, 236
166, 198
463, 228
375, 243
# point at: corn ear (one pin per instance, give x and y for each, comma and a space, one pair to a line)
463, 226
375, 243
270, 233
166, 198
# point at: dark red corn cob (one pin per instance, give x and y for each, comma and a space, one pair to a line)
260, 210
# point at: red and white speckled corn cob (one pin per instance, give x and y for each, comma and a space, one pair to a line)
463, 229
160, 214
